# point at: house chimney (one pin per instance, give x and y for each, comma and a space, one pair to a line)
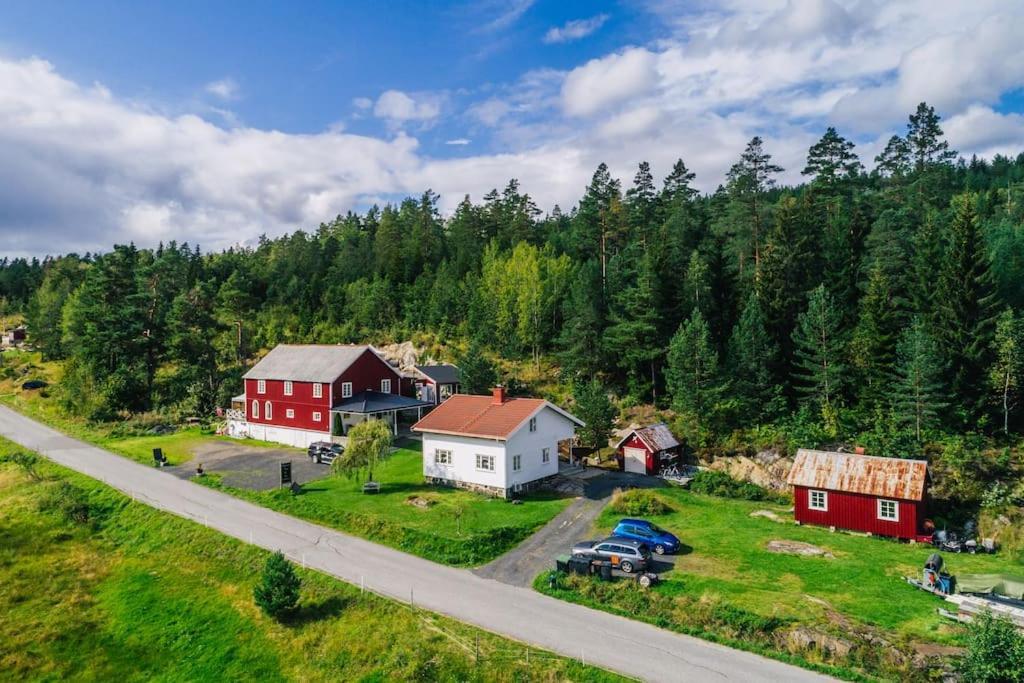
498, 394
859, 450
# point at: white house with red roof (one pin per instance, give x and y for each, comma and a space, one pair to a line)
495, 444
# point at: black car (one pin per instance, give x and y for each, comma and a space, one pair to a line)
324, 452
34, 384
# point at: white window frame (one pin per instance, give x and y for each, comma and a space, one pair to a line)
895, 510
517, 463
481, 459
289, 413
317, 416
442, 457
811, 505
289, 388
545, 455
346, 389
385, 386
533, 423
261, 386
255, 409
268, 410
318, 390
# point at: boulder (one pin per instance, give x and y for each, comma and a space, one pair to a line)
768, 469
797, 548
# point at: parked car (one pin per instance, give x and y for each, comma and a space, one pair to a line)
324, 452
652, 535
34, 384
623, 553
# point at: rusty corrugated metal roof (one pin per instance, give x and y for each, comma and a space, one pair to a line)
853, 473
658, 437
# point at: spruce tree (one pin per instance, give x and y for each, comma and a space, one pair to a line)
477, 372
873, 343
581, 352
641, 202
692, 377
966, 306
753, 361
918, 391
748, 180
596, 411
819, 348
631, 338
277, 594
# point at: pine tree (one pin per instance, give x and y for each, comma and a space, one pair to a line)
676, 189
753, 358
894, 161
277, 594
580, 349
924, 139
698, 284
748, 180
641, 204
692, 377
832, 160
596, 411
918, 391
819, 349
873, 343
1008, 368
966, 306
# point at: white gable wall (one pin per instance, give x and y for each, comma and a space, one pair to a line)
464, 451
551, 428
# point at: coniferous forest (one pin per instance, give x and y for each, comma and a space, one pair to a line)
879, 301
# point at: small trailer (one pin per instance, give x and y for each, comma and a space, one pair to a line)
999, 594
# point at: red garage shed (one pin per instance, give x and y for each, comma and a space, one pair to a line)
647, 449
882, 496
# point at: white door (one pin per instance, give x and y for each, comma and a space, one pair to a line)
635, 460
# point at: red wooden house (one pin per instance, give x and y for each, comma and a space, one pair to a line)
298, 394
647, 449
881, 496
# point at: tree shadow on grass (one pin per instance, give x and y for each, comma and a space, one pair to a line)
309, 613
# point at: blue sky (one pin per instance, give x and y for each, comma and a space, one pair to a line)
215, 122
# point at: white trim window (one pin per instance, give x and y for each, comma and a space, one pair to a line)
443, 456
385, 386
318, 390
533, 424
268, 410
288, 387
261, 386
485, 463
888, 510
317, 417
545, 455
289, 413
517, 463
817, 500
346, 389
255, 409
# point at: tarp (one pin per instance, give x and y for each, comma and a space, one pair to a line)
1009, 585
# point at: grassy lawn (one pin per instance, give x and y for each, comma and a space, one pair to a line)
455, 527
726, 586
139, 595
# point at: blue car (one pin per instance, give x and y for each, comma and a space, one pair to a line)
652, 535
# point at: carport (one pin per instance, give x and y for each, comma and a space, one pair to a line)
373, 404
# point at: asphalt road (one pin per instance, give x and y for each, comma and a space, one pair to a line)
619, 644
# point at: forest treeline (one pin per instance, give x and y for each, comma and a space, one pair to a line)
886, 300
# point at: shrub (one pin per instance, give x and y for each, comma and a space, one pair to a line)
995, 652
715, 483
70, 502
639, 503
277, 594
27, 463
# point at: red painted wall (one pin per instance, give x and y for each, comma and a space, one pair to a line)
636, 442
301, 402
366, 373
858, 512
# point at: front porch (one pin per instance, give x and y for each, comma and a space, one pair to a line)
398, 411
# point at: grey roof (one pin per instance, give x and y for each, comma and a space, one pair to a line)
658, 437
306, 362
441, 374
366, 402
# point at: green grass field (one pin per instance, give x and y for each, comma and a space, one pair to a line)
139, 595
456, 527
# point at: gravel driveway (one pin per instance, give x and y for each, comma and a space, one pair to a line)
246, 467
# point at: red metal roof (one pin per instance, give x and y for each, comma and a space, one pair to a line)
465, 415
872, 475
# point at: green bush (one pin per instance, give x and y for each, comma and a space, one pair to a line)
27, 463
70, 502
639, 503
277, 594
715, 483
995, 652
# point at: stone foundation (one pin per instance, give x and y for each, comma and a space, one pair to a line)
494, 491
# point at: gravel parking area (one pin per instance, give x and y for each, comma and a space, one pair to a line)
246, 467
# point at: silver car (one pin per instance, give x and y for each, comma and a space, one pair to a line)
625, 554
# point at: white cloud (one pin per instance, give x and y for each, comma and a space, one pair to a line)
225, 88
509, 12
490, 111
458, 142
609, 80
575, 29
986, 132
399, 107
362, 103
